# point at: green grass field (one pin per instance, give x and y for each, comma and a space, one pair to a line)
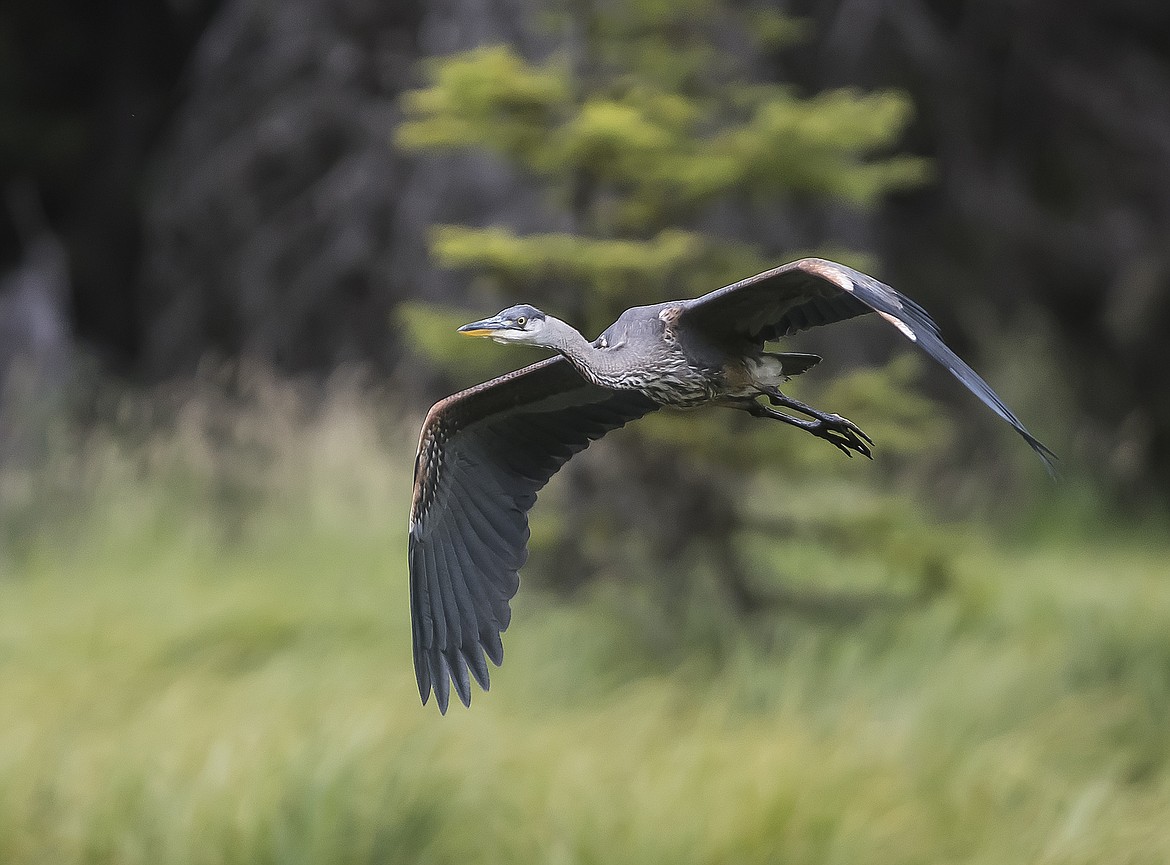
193, 672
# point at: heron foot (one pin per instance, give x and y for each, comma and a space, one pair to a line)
839, 431
842, 433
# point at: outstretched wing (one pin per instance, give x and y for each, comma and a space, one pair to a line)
482, 456
812, 292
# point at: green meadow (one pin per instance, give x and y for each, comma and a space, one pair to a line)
206, 659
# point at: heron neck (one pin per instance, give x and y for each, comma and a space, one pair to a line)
595, 364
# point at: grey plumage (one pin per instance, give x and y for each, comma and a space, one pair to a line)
485, 452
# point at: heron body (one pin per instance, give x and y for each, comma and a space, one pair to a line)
485, 452
670, 373
676, 367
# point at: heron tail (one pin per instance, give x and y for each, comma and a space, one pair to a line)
794, 362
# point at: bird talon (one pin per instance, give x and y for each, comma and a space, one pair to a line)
845, 423
843, 434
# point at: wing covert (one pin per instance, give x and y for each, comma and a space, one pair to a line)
483, 455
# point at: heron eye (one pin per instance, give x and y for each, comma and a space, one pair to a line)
522, 321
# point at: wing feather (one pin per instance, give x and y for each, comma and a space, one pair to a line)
814, 292
483, 455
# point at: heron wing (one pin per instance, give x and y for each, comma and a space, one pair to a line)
813, 292
483, 454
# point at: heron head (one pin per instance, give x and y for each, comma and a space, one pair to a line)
521, 323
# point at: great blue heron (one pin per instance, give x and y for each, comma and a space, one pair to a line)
485, 452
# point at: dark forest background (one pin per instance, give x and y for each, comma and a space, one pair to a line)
195, 177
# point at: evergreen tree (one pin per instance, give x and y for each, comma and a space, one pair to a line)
646, 125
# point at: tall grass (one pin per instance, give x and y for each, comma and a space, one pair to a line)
204, 658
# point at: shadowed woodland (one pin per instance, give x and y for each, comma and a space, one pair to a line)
235, 242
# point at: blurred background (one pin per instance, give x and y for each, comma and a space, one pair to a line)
235, 241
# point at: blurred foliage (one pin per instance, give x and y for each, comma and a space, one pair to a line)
171, 699
659, 151
634, 154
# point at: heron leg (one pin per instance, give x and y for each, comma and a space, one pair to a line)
840, 432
